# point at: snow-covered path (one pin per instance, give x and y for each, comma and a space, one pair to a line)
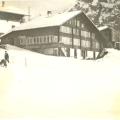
36, 86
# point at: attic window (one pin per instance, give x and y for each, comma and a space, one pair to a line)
93, 35
82, 25
78, 23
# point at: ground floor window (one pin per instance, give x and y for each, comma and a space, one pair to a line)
66, 40
85, 43
95, 45
24, 40
76, 41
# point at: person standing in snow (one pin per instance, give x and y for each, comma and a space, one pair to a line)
6, 56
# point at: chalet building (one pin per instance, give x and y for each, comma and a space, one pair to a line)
69, 34
111, 35
10, 13
10, 17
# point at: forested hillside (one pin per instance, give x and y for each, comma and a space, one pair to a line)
101, 12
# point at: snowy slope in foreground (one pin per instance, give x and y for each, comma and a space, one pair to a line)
36, 87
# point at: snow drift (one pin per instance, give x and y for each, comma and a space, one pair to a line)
36, 86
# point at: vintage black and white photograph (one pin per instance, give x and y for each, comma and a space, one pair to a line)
59, 59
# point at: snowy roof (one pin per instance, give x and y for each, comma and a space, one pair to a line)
48, 21
12, 10
102, 28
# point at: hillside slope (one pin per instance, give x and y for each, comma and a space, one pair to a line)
36, 86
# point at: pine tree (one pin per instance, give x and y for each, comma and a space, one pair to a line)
101, 12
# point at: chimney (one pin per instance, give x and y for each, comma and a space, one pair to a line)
49, 13
13, 26
3, 3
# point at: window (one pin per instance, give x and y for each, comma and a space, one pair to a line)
22, 40
78, 23
93, 36
42, 39
66, 40
65, 29
34, 40
49, 38
55, 38
76, 42
85, 34
38, 40
30, 41
95, 45
82, 33
85, 43
82, 25
75, 31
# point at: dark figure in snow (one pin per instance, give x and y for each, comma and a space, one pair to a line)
6, 56
3, 63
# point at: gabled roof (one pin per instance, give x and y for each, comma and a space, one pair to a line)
54, 20
48, 21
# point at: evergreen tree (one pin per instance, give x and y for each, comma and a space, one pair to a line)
101, 12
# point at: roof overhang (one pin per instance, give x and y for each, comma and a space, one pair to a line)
10, 16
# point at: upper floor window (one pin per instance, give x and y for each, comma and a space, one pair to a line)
82, 25
66, 40
66, 29
75, 31
78, 23
93, 35
85, 34
85, 43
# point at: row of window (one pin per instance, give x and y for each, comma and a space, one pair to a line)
53, 39
76, 23
68, 30
38, 39
67, 40
84, 43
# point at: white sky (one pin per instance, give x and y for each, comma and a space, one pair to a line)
41, 6
37, 7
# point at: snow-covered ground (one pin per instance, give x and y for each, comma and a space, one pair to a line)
40, 87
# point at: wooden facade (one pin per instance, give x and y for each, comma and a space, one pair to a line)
107, 34
116, 39
112, 37
75, 37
